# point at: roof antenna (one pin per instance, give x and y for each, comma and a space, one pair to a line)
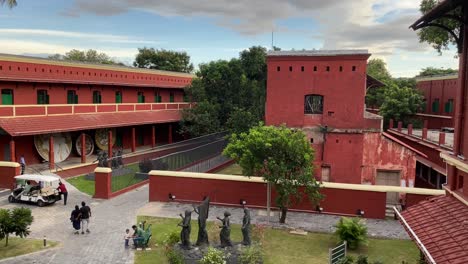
272, 47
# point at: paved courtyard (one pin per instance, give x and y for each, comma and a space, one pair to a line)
110, 218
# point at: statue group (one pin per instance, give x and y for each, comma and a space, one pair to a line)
225, 234
116, 160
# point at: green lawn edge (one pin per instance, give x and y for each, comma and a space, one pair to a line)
21, 246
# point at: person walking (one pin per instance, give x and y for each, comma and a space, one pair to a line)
75, 218
63, 191
23, 164
85, 215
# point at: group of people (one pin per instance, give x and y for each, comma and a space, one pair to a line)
80, 218
137, 235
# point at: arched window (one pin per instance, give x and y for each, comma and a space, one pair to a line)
313, 104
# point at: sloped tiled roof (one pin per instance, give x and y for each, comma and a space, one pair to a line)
441, 224
22, 126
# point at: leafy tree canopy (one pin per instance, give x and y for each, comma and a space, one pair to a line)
161, 59
16, 221
377, 68
401, 102
429, 71
439, 38
90, 55
200, 120
283, 157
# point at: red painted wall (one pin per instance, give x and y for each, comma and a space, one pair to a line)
7, 175
230, 192
442, 90
343, 91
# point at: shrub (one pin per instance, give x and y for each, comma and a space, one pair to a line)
346, 260
145, 166
174, 257
362, 260
251, 255
213, 256
172, 239
351, 230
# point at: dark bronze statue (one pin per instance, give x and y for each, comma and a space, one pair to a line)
202, 211
246, 228
105, 158
102, 159
225, 234
186, 229
114, 164
119, 158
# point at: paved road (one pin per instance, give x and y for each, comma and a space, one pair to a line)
104, 244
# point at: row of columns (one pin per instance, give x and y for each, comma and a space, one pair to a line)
83, 145
424, 130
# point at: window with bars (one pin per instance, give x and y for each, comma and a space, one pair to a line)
97, 97
449, 106
72, 97
42, 97
313, 104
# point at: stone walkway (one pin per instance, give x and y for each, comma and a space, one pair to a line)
110, 218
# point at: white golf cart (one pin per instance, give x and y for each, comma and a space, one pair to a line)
42, 189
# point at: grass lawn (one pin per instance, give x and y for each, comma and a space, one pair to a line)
280, 246
233, 169
19, 246
120, 182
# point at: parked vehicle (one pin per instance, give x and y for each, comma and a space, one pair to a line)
42, 189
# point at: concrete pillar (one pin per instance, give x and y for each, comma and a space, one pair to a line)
51, 153
400, 126
169, 138
425, 123
390, 124
133, 140
441, 138
109, 143
83, 148
102, 183
424, 133
452, 180
8, 170
153, 137
410, 129
12, 150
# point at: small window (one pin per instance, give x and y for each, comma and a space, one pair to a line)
353, 68
157, 97
42, 97
315, 68
171, 97
313, 104
7, 96
311, 140
19, 69
118, 97
302, 68
72, 97
9, 68
290, 68
97, 97
435, 106
341, 68
277, 69
328, 68
141, 97
449, 106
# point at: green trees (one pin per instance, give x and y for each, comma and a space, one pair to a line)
352, 230
429, 71
90, 55
15, 222
162, 59
438, 37
10, 3
236, 88
280, 155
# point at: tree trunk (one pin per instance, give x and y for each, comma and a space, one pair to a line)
284, 211
6, 241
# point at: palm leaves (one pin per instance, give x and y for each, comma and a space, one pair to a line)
10, 3
352, 230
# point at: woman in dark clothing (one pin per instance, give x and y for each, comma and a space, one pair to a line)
76, 219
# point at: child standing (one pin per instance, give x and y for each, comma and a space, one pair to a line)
127, 237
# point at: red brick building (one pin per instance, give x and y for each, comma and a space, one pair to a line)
439, 97
84, 102
439, 226
322, 93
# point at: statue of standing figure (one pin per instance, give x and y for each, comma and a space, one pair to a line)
225, 234
246, 228
119, 158
114, 164
202, 211
186, 229
102, 159
105, 158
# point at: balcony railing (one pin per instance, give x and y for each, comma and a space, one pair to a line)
71, 109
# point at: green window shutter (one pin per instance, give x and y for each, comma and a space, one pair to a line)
76, 99
100, 98
435, 106
47, 99
7, 97
171, 97
118, 98
159, 99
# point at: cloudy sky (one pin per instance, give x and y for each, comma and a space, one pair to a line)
219, 29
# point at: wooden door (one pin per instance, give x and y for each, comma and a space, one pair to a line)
325, 174
389, 178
